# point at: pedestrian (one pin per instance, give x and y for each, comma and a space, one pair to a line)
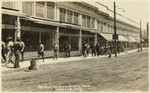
41, 50
22, 49
109, 51
55, 49
88, 49
68, 50
17, 48
97, 49
3, 50
84, 50
9, 51
93, 50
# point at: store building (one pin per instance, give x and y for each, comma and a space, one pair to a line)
60, 22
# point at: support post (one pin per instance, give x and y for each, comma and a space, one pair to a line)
95, 39
141, 34
18, 29
115, 29
57, 37
80, 41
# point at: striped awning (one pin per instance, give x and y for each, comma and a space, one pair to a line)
133, 40
108, 37
122, 38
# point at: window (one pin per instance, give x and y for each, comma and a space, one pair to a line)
76, 17
40, 9
84, 20
92, 22
50, 10
98, 26
69, 16
101, 26
88, 21
8, 5
27, 8
74, 43
62, 14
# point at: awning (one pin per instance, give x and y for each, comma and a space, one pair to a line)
108, 37
129, 40
133, 40
137, 40
122, 38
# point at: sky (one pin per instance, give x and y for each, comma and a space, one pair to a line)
135, 10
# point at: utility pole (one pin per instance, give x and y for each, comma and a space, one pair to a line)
147, 33
141, 35
115, 35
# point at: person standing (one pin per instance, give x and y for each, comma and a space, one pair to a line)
22, 49
17, 48
55, 49
41, 50
88, 49
109, 51
9, 51
84, 50
93, 50
3, 50
67, 50
97, 49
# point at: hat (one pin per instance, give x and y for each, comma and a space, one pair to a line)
9, 38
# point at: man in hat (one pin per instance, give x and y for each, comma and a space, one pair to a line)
9, 51
22, 49
41, 50
55, 49
17, 48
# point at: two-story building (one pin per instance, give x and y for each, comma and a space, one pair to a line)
60, 22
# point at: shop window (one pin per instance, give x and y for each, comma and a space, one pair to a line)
31, 40
69, 16
62, 14
74, 43
62, 41
45, 40
76, 17
84, 20
8, 5
40, 9
27, 8
88, 21
50, 10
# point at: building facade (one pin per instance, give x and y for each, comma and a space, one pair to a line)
60, 22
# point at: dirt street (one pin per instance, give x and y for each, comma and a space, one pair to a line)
125, 73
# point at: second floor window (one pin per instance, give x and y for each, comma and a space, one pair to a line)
27, 8
88, 21
84, 20
40, 9
50, 10
69, 16
8, 5
62, 14
92, 22
76, 17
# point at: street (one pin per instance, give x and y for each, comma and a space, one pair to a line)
125, 73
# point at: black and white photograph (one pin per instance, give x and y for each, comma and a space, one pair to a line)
74, 46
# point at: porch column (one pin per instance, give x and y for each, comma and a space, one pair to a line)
57, 37
80, 40
95, 39
18, 29
56, 12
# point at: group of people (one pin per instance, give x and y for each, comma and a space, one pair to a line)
98, 49
16, 48
11, 48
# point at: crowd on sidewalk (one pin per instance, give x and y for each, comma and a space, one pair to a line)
16, 48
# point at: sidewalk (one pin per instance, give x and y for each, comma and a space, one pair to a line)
51, 61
